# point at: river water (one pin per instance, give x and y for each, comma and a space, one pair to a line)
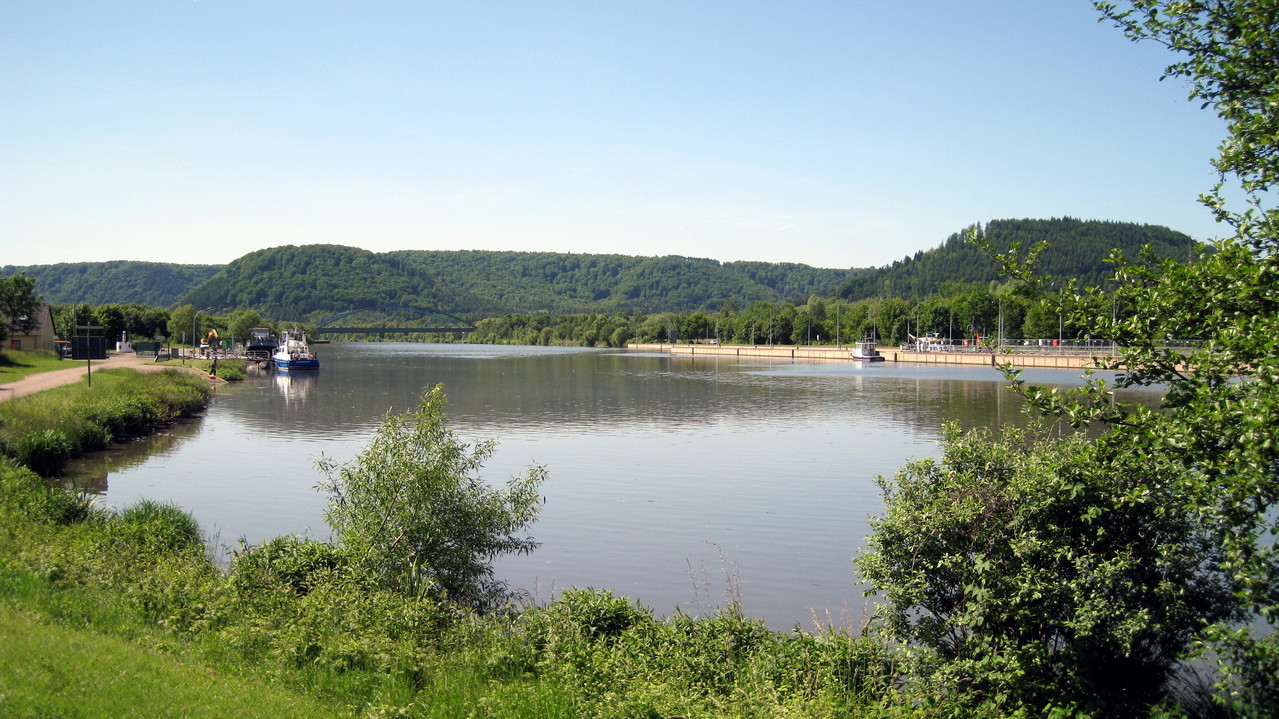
682, 482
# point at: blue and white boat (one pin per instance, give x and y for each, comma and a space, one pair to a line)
294, 354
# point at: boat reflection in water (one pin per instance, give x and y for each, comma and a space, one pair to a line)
295, 387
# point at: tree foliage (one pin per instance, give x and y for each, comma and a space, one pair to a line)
1074, 248
159, 284
412, 514
311, 282
1036, 572
19, 305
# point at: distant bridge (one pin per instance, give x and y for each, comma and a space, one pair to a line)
446, 322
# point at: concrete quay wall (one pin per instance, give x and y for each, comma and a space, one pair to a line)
838, 354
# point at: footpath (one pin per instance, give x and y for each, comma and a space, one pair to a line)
48, 380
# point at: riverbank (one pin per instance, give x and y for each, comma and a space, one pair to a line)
842, 354
59, 417
76, 371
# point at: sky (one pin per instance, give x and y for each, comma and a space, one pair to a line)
834, 134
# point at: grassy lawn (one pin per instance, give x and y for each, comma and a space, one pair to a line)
16, 364
51, 670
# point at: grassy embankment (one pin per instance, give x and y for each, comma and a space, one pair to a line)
44, 430
16, 364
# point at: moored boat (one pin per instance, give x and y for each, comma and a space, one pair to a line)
866, 352
261, 344
294, 353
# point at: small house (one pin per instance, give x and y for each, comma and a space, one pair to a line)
40, 337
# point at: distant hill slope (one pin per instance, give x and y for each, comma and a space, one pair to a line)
1076, 248
159, 284
523, 282
299, 282
310, 282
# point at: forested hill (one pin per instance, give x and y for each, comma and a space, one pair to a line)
311, 280
503, 282
158, 284
1076, 248
294, 282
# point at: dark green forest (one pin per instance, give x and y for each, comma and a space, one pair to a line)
159, 284
312, 282
1076, 249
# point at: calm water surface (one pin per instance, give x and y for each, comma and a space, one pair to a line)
668, 476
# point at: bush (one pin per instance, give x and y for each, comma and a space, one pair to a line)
1042, 572
23, 492
158, 528
46, 451
410, 512
292, 561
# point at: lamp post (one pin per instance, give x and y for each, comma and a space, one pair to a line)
195, 317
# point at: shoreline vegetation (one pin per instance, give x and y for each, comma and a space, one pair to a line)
325, 630
43, 431
344, 628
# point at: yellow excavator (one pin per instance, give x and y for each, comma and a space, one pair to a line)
210, 341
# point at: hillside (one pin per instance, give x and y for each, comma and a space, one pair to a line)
294, 282
312, 281
158, 284
1076, 248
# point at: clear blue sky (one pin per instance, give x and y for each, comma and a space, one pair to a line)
836, 134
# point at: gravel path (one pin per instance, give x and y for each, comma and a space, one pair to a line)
48, 380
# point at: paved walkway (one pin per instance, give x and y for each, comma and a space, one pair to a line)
48, 380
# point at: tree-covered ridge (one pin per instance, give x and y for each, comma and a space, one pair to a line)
304, 282
518, 282
310, 282
1076, 249
296, 282
159, 284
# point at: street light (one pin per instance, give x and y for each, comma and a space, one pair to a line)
195, 317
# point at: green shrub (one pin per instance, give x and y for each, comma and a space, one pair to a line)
1038, 573
45, 451
411, 512
23, 492
296, 562
231, 370
598, 614
157, 527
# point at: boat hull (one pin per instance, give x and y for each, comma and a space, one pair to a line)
297, 364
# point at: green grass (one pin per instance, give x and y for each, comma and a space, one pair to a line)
16, 364
48, 670
45, 429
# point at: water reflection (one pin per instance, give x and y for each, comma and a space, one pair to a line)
662, 469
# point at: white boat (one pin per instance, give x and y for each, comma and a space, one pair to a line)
294, 354
866, 352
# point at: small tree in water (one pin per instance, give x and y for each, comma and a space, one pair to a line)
412, 513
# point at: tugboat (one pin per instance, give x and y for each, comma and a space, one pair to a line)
294, 354
261, 344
